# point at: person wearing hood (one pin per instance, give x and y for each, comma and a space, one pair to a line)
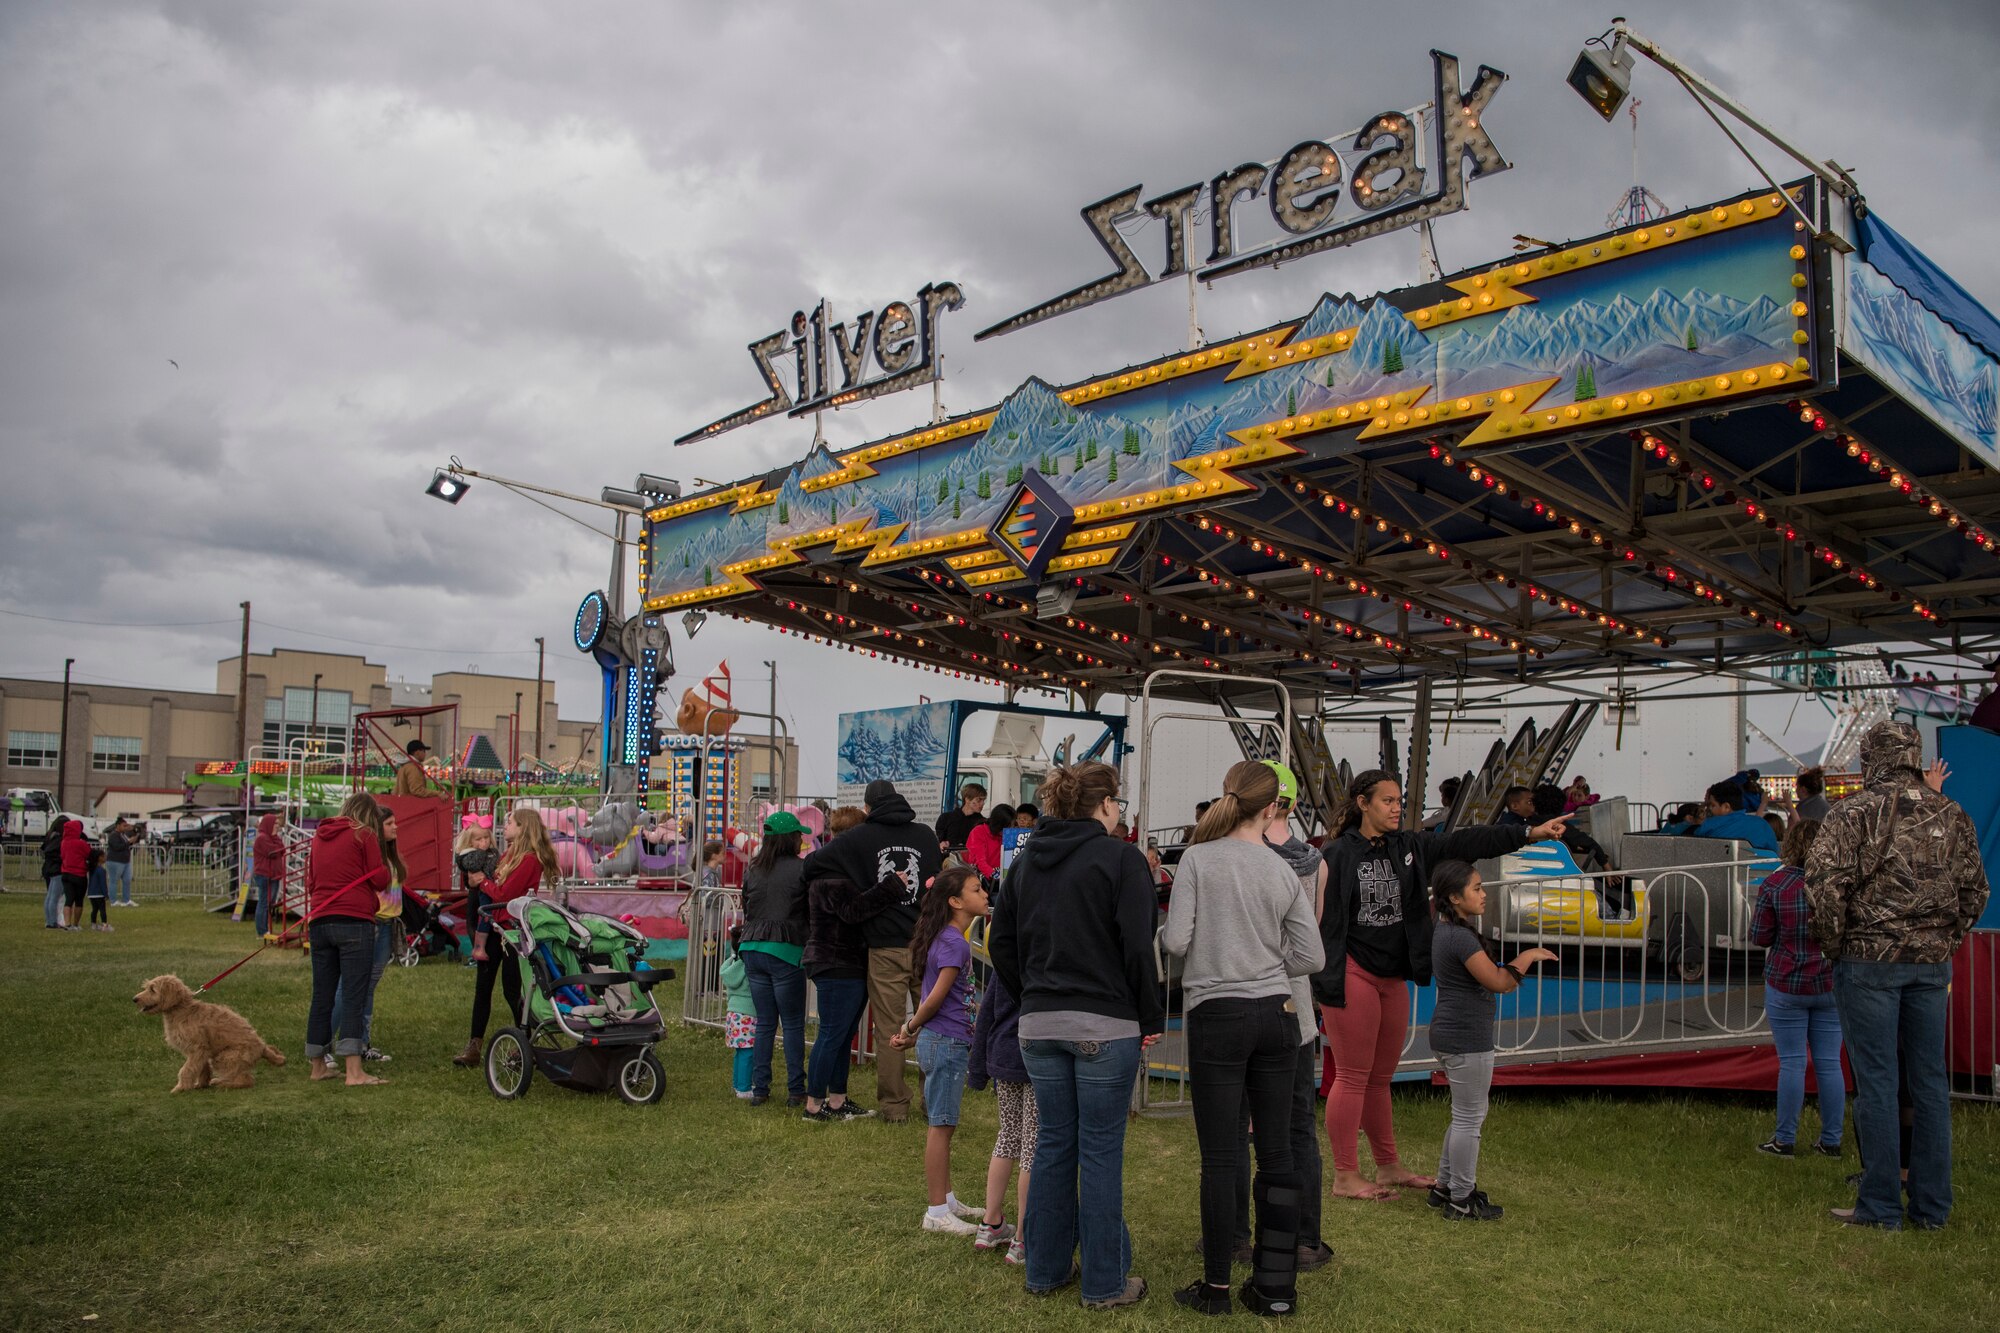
1376, 928
267, 865
1072, 939
75, 854
1893, 884
344, 874
889, 844
1725, 817
1244, 923
52, 901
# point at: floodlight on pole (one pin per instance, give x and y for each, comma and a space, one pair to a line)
1602, 76
664, 487
447, 486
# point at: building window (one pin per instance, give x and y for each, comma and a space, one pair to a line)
760, 787
32, 749
114, 754
294, 716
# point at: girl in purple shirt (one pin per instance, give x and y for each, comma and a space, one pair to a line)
941, 1030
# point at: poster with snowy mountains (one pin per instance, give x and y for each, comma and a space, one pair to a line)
1933, 366
904, 745
1706, 306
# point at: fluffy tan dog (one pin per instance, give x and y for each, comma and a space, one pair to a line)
220, 1045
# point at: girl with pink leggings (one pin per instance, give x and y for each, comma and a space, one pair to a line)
1375, 925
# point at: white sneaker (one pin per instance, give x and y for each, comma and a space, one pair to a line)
745, 1096
1017, 1251
950, 1226
965, 1210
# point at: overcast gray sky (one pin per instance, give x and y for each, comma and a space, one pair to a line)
537, 236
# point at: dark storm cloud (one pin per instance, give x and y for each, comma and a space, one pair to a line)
375, 235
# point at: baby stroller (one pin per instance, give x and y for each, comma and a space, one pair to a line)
425, 927
591, 1021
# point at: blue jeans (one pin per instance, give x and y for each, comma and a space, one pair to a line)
1800, 1023
1884, 1008
377, 965
778, 989
121, 881
944, 1061
342, 952
841, 1000
265, 887
52, 902
1076, 1197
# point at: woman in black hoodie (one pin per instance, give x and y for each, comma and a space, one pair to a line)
1072, 936
1376, 929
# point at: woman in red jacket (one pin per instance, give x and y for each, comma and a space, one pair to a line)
75, 873
982, 845
343, 876
267, 862
530, 858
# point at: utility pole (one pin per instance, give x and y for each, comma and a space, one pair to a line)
62, 743
515, 761
541, 756
312, 727
771, 734
243, 692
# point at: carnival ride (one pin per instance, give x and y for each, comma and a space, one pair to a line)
1718, 442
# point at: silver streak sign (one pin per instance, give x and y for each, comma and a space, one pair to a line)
897, 344
1391, 183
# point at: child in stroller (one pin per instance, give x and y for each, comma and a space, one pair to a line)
591, 1021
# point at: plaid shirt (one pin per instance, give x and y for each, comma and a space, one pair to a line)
1794, 964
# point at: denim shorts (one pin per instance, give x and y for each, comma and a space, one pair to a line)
943, 1060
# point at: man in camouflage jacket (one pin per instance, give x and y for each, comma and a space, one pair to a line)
1893, 884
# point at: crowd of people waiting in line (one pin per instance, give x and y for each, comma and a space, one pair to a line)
1280, 942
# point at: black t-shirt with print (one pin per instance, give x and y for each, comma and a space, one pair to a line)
1376, 936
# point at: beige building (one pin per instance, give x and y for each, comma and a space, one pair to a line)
119, 738
130, 749
293, 694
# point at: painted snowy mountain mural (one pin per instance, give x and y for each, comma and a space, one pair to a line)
1937, 368
1624, 344
1704, 307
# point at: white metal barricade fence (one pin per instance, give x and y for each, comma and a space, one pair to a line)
206, 872
1660, 962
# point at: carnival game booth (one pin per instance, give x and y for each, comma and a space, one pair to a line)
1714, 441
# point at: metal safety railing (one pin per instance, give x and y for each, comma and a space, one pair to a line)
1650, 961
1972, 1028
207, 871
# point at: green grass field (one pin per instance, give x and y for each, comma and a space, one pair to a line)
427, 1203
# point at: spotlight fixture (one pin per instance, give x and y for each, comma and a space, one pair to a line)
1603, 77
665, 487
623, 499
693, 621
447, 486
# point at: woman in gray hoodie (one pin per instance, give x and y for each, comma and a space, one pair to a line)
1244, 925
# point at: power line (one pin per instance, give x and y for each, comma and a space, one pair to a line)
404, 647
114, 624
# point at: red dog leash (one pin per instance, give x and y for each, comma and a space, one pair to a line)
304, 921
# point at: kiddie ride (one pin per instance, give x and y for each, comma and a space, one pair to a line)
1680, 898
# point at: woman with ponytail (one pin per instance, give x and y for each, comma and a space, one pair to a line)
1376, 930
1072, 938
1242, 920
